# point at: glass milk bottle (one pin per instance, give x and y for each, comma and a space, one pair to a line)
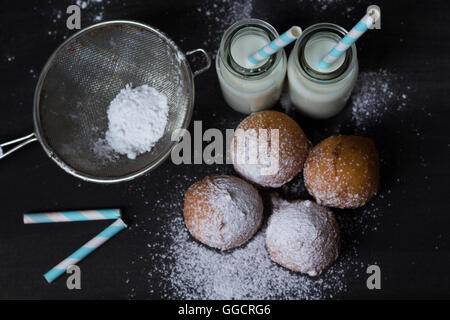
321, 94
247, 88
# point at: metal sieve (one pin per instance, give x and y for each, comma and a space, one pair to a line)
81, 78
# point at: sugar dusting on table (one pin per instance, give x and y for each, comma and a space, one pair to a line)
374, 96
190, 270
198, 272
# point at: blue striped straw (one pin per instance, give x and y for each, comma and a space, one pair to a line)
68, 216
85, 250
276, 45
357, 31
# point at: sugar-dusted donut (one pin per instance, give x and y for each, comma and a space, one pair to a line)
343, 171
222, 211
254, 137
302, 236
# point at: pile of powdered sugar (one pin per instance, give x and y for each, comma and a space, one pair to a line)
137, 119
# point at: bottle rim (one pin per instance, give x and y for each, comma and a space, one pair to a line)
317, 76
225, 49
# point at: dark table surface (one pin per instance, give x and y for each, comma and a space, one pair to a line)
404, 229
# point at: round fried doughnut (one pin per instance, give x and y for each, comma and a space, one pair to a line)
302, 236
343, 171
222, 211
254, 137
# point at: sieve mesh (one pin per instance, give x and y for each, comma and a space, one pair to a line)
85, 74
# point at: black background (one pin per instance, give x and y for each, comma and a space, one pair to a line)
411, 243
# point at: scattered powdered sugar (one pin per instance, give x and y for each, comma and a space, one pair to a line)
83, 4
322, 5
95, 8
190, 270
302, 236
286, 103
33, 72
104, 151
374, 95
136, 120
92, 11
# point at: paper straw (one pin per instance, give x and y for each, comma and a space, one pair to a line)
276, 45
85, 250
357, 31
68, 216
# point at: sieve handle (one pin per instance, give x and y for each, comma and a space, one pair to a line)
20, 142
208, 60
